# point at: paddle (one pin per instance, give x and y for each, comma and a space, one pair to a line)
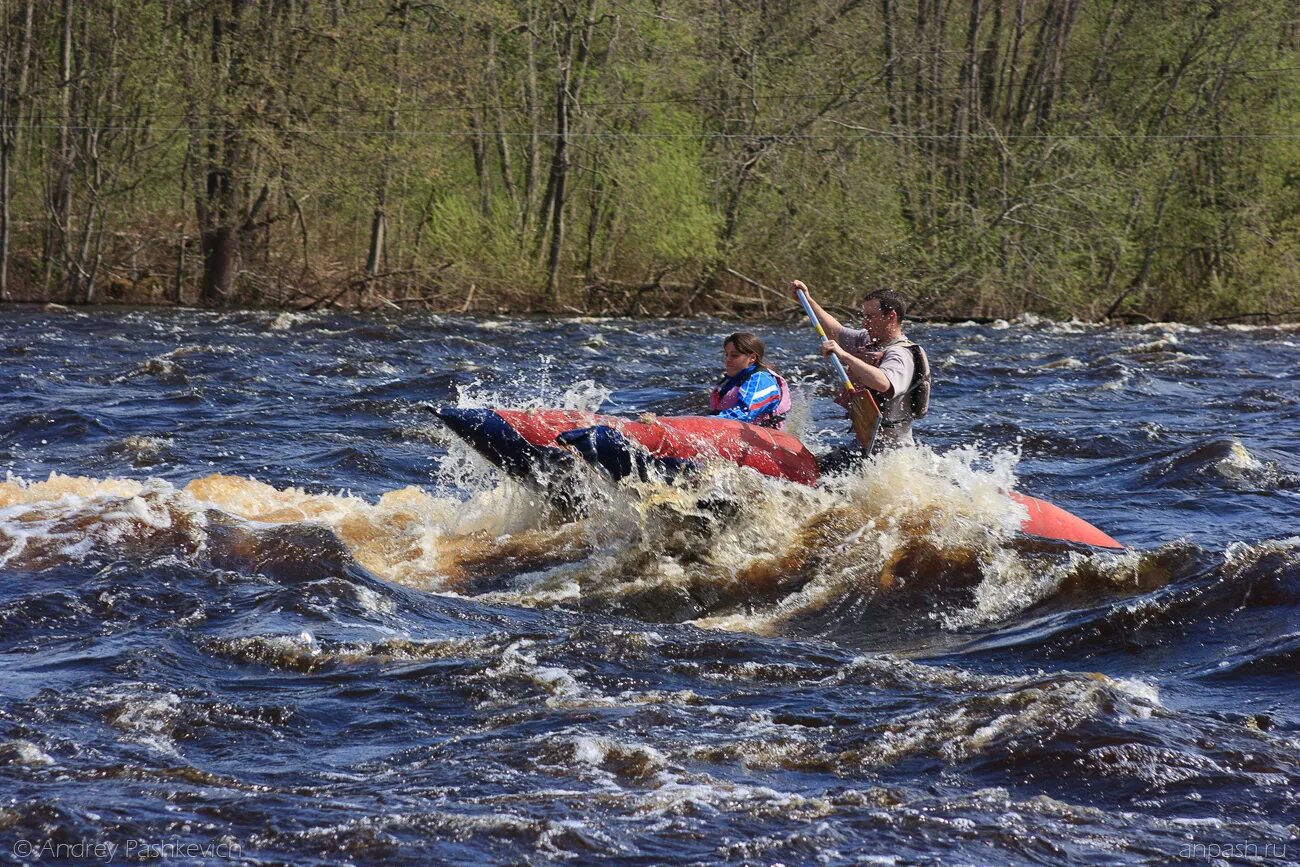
864, 415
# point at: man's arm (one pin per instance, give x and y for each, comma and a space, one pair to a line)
862, 373
829, 323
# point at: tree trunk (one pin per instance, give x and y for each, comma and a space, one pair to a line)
5, 149
898, 112
965, 105
178, 286
558, 180
1010, 66
570, 55
479, 150
219, 264
219, 233
376, 257
533, 146
56, 248
378, 230
15, 74
503, 140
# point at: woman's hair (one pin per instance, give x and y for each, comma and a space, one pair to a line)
748, 343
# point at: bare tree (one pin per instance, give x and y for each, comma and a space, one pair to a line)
14, 77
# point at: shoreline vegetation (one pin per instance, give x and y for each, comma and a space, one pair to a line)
1133, 160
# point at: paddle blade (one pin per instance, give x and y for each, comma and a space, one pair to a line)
864, 417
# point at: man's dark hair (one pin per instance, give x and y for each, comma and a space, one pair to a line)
889, 300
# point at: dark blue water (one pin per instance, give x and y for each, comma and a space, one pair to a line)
252, 597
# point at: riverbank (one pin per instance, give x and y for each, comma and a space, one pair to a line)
768, 306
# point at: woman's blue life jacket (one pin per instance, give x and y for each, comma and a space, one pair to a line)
755, 395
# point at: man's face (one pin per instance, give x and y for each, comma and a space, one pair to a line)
874, 320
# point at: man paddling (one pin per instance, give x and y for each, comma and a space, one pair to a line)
880, 358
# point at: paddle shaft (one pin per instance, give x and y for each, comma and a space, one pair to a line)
835, 362
863, 412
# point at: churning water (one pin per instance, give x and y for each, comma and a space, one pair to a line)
252, 597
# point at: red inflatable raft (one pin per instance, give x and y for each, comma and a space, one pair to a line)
531, 444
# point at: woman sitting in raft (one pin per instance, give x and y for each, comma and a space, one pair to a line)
749, 390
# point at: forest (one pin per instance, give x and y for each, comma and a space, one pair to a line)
1124, 159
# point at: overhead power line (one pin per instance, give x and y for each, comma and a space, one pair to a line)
772, 135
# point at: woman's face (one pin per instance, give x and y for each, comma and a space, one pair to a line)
734, 361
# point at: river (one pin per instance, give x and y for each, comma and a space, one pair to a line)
252, 596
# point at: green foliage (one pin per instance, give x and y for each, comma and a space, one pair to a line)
1112, 156
459, 232
670, 224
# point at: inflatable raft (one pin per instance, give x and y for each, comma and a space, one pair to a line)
536, 446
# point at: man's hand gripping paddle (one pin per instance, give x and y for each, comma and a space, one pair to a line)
864, 415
